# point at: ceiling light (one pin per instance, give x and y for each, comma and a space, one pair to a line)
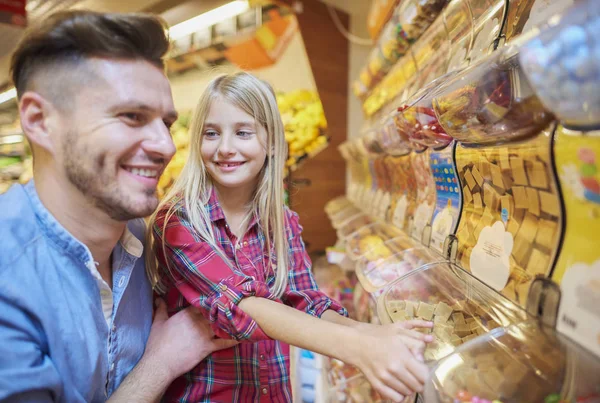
8, 95
209, 18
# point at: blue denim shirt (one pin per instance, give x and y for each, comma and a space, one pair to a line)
55, 343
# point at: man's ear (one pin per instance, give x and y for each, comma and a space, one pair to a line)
34, 111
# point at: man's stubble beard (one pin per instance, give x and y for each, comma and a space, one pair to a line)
91, 178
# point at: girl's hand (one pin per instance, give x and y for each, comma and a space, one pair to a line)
391, 357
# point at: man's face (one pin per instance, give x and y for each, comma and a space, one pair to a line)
114, 143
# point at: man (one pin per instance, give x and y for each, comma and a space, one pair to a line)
75, 302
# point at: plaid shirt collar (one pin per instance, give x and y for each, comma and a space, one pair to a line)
216, 212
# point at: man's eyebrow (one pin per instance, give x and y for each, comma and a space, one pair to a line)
140, 106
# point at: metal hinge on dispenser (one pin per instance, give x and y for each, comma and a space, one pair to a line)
450, 248
543, 300
426, 235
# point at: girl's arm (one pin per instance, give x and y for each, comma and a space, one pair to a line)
383, 353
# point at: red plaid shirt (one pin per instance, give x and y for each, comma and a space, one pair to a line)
258, 368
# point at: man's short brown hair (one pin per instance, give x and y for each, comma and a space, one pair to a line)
70, 37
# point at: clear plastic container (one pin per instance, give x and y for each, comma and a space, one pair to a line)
420, 120
392, 86
490, 102
524, 362
336, 205
353, 224
563, 66
459, 23
370, 240
460, 306
341, 216
431, 45
487, 23
390, 139
375, 274
527, 16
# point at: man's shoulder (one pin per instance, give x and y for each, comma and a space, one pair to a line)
18, 224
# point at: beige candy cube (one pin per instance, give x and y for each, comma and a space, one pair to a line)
462, 329
496, 174
546, 233
477, 202
470, 180
520, 197
537, 175
455, 340
425, 311
549, 203
458, 317
411, 309
529, 228
443, 311
468, 197
534, 201
518, 171
477, 175
538, 263
504, 159
473, 326
468, 337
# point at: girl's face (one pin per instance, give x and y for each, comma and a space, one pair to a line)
233, 146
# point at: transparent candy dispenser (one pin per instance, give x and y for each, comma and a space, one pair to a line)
460, 306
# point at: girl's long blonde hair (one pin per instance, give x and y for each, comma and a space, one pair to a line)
192, 188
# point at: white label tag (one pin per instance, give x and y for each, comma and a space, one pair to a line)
490, 257
579, 312
400, 212
422, 218
441, 228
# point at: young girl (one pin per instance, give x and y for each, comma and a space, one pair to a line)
226, 244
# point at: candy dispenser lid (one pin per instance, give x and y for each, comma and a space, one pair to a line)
490, 102
524, 362
562, 64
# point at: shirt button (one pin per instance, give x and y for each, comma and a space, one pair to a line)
122, 281
114, 328
112, 367
245, 243
262, 357
265, 391
223, 287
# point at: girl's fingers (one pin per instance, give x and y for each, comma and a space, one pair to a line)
415, 323
413, 334
410, 381
419, 370
386, 392
396, 382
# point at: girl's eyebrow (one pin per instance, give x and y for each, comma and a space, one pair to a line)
249, 124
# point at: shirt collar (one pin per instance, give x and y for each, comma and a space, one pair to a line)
131, 244
216, 212
65, 239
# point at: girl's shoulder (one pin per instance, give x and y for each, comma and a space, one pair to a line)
292, 221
